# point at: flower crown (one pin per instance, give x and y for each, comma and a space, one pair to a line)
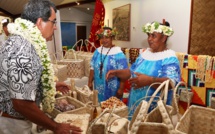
107, 32
157, 27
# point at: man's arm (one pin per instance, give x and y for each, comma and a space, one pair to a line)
30, 110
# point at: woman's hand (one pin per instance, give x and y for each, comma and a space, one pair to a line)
63, 128
140, 80
90, 85
111, 74
119, 93
62, 87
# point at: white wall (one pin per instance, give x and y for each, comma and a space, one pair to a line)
65, 15
78, 17
176, 12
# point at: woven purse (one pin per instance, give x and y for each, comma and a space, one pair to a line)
141, 123
108, 123
197, 120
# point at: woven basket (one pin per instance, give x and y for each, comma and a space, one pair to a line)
158, 118
197, 120
176, 97
79, 107
79, 120
84, 97
70, 54
75, 67
61, 72
108, 122
120, 110
153, 128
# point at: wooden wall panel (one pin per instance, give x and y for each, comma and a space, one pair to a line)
202, 34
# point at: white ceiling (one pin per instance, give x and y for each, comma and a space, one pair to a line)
15, 7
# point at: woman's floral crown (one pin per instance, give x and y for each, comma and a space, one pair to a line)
157, 27
107, 32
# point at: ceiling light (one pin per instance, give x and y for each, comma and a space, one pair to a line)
77, 3
88, 8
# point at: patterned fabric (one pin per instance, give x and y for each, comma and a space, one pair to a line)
160, 64
115, 60
97, 23
203, 90
133, 54
20, 72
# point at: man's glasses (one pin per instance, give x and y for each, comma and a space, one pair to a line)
53, 21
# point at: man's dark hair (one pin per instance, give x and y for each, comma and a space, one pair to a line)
35, 9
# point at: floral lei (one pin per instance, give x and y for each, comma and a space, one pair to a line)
30, 32
156, 27
106, 32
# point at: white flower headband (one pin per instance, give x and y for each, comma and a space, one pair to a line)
157, 27
106, 32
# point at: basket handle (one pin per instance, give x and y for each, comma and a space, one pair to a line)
155, 93
87, 42
81, 40
70, 51
86, 87
89, 131
176, 91
141, 115
165, 84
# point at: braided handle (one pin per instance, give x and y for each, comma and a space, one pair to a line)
86, 41
145, 106
187, 92
88, 89
142, 110
69, 52
81, 40
165, 116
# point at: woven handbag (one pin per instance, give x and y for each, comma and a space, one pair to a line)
79, 107
86, 56
158, 121
60, 71
197, 120
108, 123
84, 94
176, 97
70, 54
184, 94
75, 67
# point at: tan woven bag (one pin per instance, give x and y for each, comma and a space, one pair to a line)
79, 107
75, 67
197, 120
141, 124
176, 97
108, 122
84, 94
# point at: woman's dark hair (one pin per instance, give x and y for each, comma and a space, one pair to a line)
107, 28
167, 24
35, 9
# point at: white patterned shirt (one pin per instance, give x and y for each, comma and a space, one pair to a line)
20, 74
